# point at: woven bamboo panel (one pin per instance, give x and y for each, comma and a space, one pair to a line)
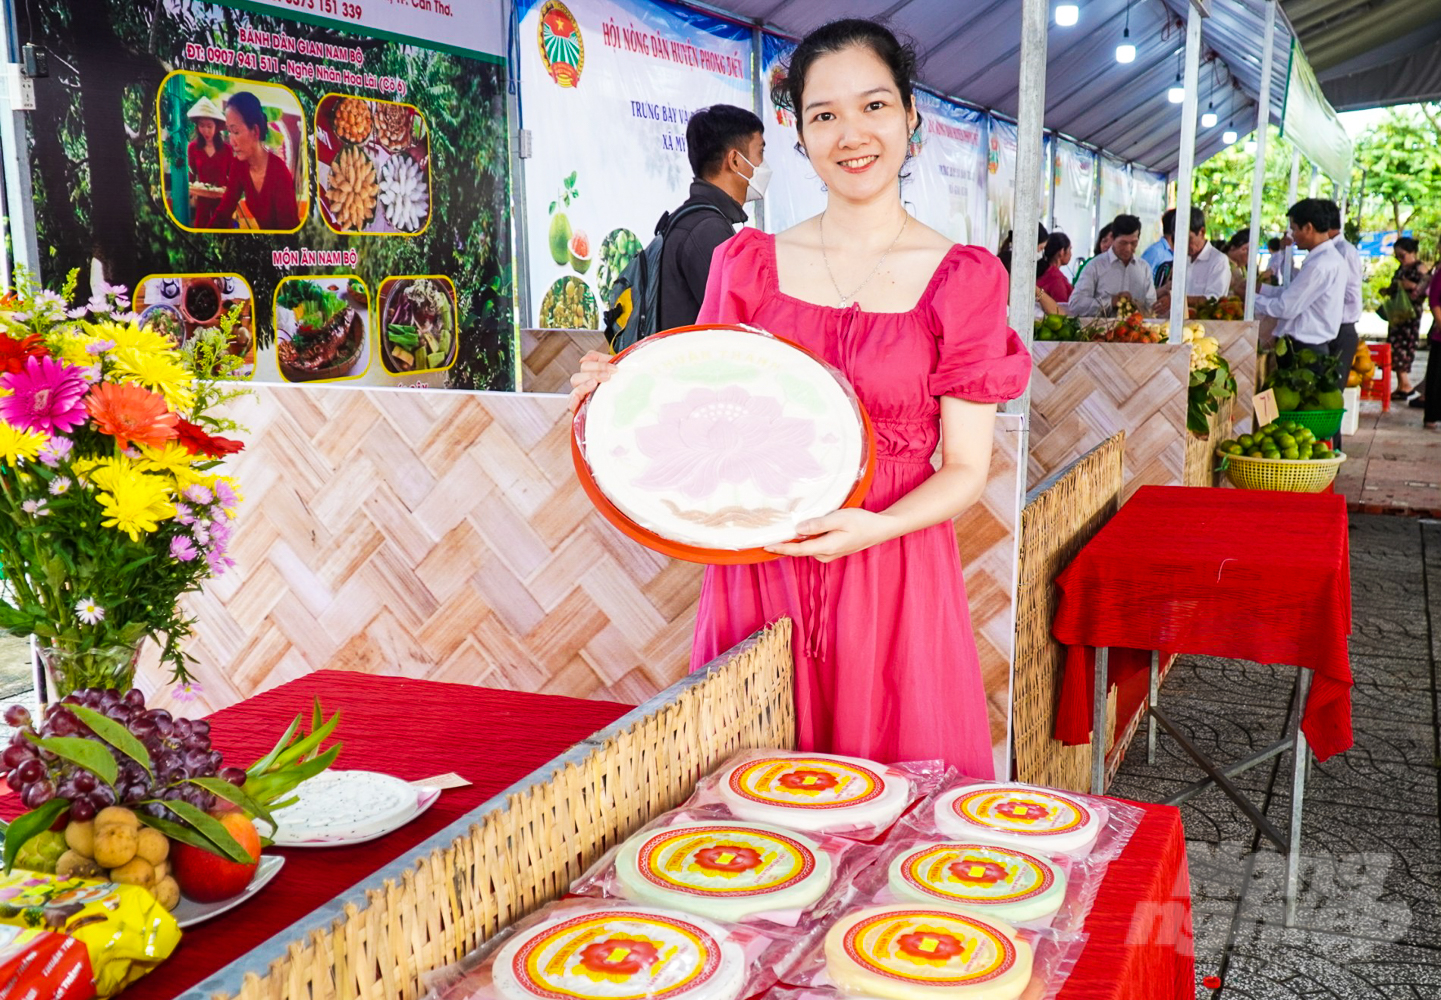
1082, 394
548, 358
514, 860
429, 534
1201, 451
1055, 524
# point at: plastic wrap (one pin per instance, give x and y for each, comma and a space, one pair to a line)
42, 965
124, 930
589, 949
709, 443
814, 792
728, 870
1029, 818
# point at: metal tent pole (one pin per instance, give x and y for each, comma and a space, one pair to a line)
1184, 169
1258, 177
1030, 150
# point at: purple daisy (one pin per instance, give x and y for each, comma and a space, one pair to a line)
46, 396
56, 450
183, 548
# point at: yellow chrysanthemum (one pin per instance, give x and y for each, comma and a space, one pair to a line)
72, 348
134, 502
132, 337
18, 445
172, 460
158, 372
104, 472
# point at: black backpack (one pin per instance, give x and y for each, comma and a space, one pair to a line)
633, 303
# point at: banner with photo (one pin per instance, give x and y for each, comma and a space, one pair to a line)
1001, 181
1150, 198
795, 192
1075, 208
1115, 191
293, 185
607, 88
947, 185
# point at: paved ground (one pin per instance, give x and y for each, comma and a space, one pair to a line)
1393, 465
1369, 922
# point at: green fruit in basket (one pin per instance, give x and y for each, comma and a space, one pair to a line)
1246, 440
1255, 453
1331, 400
1231, 448
1290, 453
1286, 398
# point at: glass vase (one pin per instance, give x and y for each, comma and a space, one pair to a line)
102, 667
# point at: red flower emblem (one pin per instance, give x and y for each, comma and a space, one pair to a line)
14, 353
619, 956
815, 781
977, 871
194, 439
726, 858
931, 947
1026, 811
1212, 982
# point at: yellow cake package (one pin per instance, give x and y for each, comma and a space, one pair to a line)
126, 932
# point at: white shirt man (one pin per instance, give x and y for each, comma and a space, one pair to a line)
1309, 308
1114, 274
1351, 303
1208, 272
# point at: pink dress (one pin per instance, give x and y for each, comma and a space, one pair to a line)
886, 664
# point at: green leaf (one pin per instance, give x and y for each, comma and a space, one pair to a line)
176, 831
87, 753
270, 787
802, 392
115, 734
235, 795
263, 764
211, 829
26, 826
303, 748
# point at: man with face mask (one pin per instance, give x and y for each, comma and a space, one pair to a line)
726, 147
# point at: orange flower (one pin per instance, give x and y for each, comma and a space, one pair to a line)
131, 414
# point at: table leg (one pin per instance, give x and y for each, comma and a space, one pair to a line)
1298, 794
1155, 696
1098, 724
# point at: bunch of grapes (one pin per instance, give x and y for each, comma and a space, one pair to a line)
179, 750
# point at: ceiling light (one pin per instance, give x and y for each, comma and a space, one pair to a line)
1176, 95
1229, 136
1067, 14
1251, 146
1208, 120
1126, 52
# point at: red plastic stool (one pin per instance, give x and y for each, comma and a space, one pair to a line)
1379, 385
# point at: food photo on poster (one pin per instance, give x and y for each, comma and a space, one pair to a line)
210, 139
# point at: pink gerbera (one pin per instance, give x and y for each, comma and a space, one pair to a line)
45, 396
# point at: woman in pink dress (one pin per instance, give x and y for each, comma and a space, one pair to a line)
886, 664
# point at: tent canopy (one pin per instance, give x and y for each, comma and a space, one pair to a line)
1371, 54
971, 51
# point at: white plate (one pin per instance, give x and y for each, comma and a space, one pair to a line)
340, 808
188, 912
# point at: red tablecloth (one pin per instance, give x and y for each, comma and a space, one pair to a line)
410, 728
1247, 574
1139, 944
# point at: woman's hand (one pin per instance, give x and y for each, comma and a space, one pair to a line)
839, 534
595, 368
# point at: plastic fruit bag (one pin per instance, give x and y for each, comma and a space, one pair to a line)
41, 965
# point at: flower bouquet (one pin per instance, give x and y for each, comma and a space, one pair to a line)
1211, 380
111, 505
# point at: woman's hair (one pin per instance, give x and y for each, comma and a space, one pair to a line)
215, 140
1041, 237
1407, 244
247, 106
837, 36
1057, 243
1101, 236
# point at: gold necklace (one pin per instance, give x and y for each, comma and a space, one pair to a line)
848, 299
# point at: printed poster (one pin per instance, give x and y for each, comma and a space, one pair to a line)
1149, 201
607, 88
1115, 191
292, 180
1075, 205
795, 193
947, 185
1001, 183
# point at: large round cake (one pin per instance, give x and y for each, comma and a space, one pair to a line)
723, 438
997, 881
926, 952
727, 871
631, 954
820, 793
1020, 816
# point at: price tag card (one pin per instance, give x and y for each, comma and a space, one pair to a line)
450, 780
1264, 406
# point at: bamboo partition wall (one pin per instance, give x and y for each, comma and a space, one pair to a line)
1059, 518
508, 858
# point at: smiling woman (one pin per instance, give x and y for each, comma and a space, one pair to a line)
886, 664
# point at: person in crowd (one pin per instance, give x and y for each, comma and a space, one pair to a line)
1208, 273
1346, 338
1004, 252
1159, 252
1309, 308
1050, 277
885, 659
1412, 278
256, 174
1116, 276
726, 146
1280, 264
209, 158
1238, 249
1430, 400
1103, 243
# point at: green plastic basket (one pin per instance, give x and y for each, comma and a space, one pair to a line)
1322, 423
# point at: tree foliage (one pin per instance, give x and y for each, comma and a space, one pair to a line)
1222, 188
1400, 158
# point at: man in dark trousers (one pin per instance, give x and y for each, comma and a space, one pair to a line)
726, 146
